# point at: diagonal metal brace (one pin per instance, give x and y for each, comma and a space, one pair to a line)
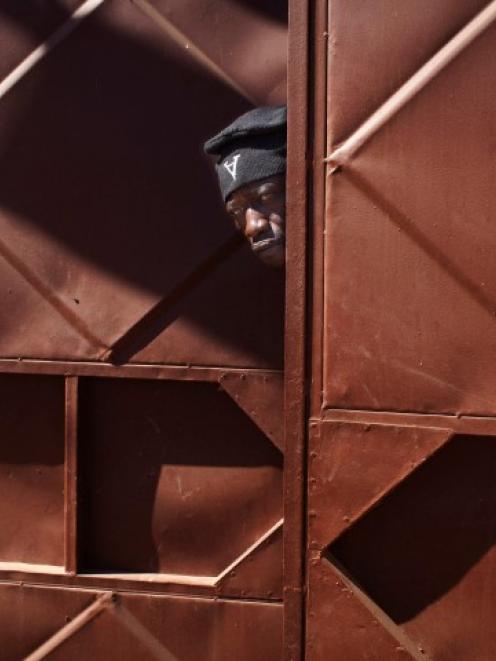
101, 603
344, 152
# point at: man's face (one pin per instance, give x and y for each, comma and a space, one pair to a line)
258, 210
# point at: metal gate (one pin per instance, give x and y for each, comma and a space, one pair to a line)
140, 343
402, 456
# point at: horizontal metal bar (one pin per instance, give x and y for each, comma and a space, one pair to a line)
130, 371
29, 568
173, 579
342, 155
462, 424
127, 582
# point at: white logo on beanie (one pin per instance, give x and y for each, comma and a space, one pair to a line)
232, 165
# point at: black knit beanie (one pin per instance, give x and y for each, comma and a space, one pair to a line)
253, 147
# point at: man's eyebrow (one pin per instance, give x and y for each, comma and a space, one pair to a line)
270, 186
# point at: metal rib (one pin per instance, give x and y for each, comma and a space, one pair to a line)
195, 51
94, 609
43, 49
342, 155
249, 550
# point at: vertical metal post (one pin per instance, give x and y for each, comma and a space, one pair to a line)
318, 102
295, 340
70, 474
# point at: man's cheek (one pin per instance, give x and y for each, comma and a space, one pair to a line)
277, 228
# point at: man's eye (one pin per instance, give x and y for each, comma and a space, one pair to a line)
237, 216
271, 196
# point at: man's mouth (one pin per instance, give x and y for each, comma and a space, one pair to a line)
270, 251
265, 244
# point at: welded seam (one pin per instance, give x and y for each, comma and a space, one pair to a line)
344, 152
43, 49
193, 49
62, 635
50, 297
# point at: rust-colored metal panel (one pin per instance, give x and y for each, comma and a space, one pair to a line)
31, 469
354, 465
410, 297
145, 627
25, 26
59, 623
239, 302
401, 542
110, 210
24, 310
376, 45
251, 52
182, 467
400, 491
260, 396
340, 626
426, 554
29, 616
115, 249
259, 574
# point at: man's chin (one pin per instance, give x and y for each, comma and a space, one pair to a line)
272, 254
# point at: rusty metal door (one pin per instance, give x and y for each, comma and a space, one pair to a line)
402, 457
140, 343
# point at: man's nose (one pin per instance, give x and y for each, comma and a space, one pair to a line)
256, 223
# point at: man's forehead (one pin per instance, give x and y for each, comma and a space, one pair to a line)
257, 188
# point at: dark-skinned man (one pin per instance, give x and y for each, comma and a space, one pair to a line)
251, 167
